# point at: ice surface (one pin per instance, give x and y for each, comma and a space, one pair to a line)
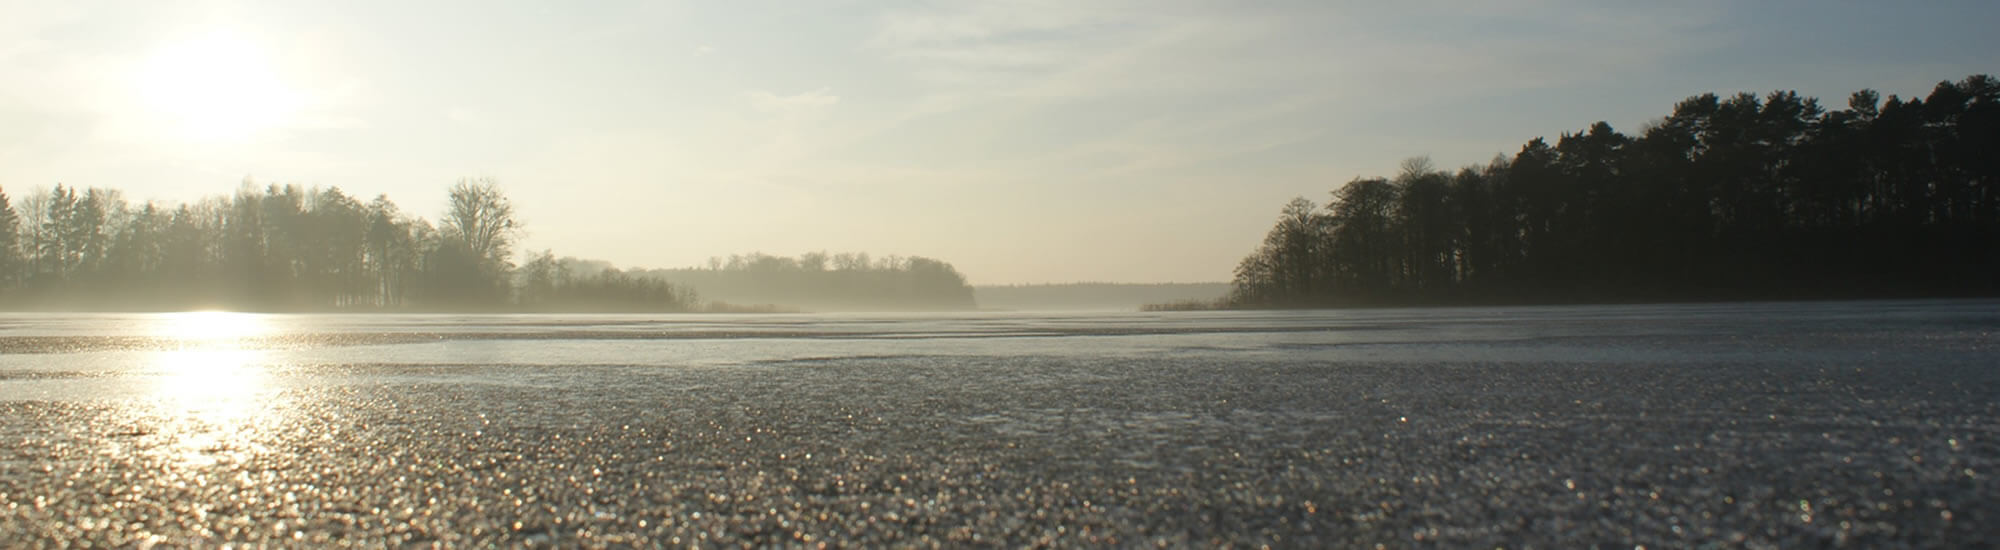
1786, 424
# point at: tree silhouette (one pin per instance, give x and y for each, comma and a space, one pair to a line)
1746, 196
853, 281
277, 247
11, 261
285, 248
481, 219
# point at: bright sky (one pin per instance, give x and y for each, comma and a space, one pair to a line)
1045, 141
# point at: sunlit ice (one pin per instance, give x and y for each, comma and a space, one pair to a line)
208, 358
213, 404
211, 328
211, 385
209, 355
207, 376
215, 87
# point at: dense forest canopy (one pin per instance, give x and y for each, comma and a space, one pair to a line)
1727, 198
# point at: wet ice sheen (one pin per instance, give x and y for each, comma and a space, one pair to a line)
1867, 423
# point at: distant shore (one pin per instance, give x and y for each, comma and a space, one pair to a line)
1223, 304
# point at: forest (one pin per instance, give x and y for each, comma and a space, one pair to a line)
292, 248
1094, 295
820, 281
279, 248
1727, 198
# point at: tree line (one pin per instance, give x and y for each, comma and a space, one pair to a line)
821, 281
1094, 295
1740, 197
290, 248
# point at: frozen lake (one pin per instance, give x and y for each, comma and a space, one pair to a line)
1746, 424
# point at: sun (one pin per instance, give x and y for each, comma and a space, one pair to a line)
216, 87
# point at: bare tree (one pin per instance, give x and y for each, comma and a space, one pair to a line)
482, 219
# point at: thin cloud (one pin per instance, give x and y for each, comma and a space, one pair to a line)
766, 101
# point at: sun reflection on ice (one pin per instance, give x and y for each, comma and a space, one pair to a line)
213, 391
212, 328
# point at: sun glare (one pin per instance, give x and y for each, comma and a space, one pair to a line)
212, 386
216, 87
212, 328
213, 403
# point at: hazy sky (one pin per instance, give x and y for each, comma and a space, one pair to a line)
1022, 141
